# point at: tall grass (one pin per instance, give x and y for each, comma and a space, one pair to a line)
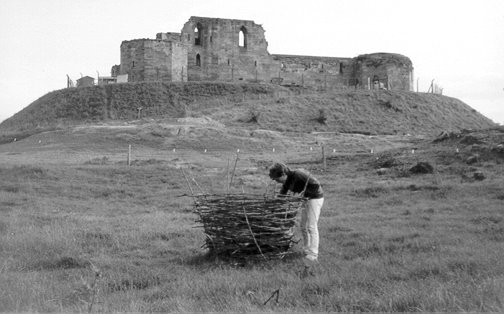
105, 237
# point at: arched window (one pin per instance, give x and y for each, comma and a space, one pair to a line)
197, 34
242, 37
198, 60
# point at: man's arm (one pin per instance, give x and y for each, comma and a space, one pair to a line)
286, 185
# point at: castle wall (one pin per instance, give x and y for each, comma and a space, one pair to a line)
132, 60
394, 71
211, 49
220, 55
168, 36
178, 62
400, 78
153, 60
319, 72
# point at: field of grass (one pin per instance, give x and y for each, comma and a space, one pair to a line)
99, 236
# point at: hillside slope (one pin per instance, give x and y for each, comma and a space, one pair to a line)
248, 105
121, 102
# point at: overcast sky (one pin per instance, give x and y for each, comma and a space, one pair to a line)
458, 43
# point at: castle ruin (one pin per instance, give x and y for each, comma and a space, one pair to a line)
215, 49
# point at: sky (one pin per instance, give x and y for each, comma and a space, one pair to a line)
457, 43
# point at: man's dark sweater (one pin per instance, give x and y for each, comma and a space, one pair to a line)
296, 182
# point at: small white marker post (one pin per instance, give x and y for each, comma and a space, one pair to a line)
205, 150
413, 151
324, 158
372, 151
457, 150
334, 150
238, 150
174, 150
273, 149
311, 148
129, 155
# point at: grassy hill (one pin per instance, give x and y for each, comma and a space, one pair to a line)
86, 228
248, 105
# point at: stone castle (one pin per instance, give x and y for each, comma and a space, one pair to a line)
215, 49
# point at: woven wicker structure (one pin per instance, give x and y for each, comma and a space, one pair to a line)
247, 226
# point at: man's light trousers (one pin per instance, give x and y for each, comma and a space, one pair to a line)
309, 227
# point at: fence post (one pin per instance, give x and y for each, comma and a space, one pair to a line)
129, 155
324, 158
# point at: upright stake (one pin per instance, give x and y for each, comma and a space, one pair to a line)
252, 233
324, 158
129, 155
232, 174
188, 184
227, 176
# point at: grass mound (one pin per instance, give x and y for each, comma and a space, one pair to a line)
247, 106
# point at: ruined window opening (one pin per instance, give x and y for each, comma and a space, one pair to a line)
242, 37
198, 60
341, 68
133, 64
228, 62
197, 35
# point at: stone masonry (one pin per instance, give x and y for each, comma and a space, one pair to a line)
214, 49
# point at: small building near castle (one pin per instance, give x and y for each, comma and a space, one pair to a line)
215, 49
85, 81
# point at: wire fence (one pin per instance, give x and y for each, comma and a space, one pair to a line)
135, 155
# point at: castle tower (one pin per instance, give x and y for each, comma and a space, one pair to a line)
226, 50
384, 70
153, 60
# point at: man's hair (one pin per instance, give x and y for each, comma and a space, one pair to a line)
278, 169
